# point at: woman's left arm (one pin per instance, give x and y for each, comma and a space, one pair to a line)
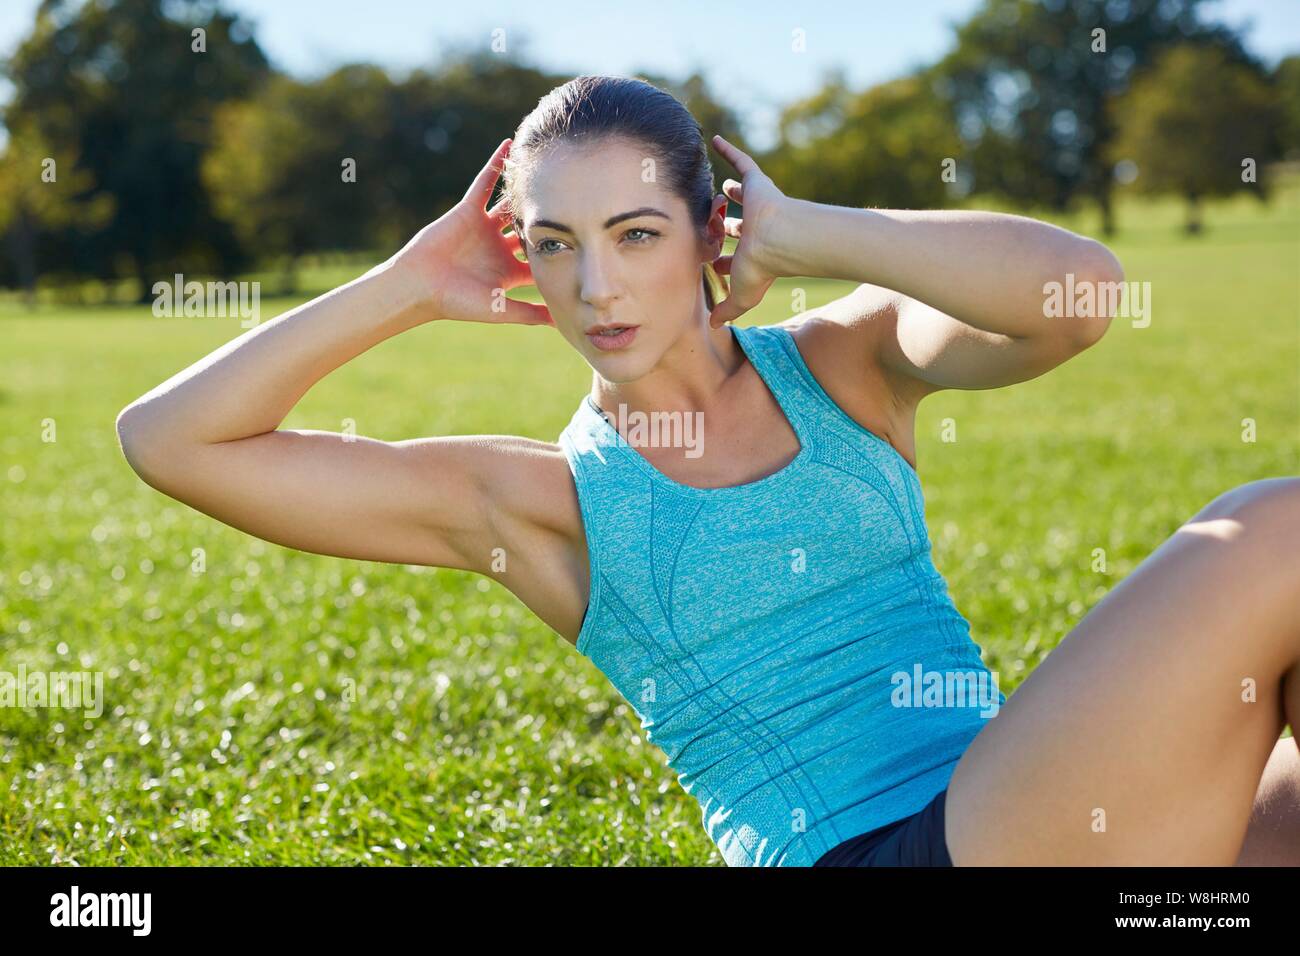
986, 269
956, 298
971, 289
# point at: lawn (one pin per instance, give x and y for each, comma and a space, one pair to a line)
283, 707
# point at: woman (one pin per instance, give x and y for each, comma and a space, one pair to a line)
765, 599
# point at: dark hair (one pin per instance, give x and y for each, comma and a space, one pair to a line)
589, 108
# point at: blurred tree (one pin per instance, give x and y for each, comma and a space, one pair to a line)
1030, 82
1191, 120
39, 190
412, 147
1286, 78
299, 167
444, 127
123, 85
893, 145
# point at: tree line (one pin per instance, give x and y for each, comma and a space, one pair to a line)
148, 137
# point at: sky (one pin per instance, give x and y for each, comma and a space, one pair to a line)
735, 45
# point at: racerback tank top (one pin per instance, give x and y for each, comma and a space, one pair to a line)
788, 643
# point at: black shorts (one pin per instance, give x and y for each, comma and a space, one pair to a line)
917, 840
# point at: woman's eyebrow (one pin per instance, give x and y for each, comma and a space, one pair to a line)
611, 221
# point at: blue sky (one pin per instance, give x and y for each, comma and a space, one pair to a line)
742, 48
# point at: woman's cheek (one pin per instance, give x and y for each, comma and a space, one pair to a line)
670, 273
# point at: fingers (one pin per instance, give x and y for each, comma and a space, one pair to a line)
744, 296
480, 191
733, 190
732, 226
729, 309
736, 157
527, 313
722, 265
723, 313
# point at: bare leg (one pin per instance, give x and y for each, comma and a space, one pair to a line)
1273, 836
1169, 694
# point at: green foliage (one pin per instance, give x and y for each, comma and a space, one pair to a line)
39, 190
1031, 84
880, 147
414, 144
1190, 121
117, 84
210, 161
1287, 80
276, 170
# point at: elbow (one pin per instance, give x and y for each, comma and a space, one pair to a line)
136, 446
1099, 264
128, 438
1097, 271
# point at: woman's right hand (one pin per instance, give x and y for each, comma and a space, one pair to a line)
461, 265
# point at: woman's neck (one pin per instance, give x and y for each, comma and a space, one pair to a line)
690, 377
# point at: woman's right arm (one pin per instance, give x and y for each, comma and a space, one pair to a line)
209, 435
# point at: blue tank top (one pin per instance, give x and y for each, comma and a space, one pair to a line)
788, 643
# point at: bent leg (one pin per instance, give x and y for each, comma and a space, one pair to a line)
1273, 835
1169, 694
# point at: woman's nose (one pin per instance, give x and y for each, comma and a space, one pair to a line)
597, 281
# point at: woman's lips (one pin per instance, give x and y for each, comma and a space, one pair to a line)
608, 343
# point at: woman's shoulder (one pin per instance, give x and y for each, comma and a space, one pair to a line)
838, 343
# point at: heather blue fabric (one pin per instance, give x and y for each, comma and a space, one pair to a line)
764, 632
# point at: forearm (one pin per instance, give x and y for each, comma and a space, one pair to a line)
248, 386
985, 269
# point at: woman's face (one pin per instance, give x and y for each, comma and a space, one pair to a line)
610, 246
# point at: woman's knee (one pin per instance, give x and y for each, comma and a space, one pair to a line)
1258, 526
1270, 505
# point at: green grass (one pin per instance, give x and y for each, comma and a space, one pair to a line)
476, 736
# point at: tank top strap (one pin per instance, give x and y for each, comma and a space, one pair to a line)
772, 351
822, 425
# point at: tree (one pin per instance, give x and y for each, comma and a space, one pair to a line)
1286, 79
1030, 82
39, 189
123, 86
300, 166
276, 170
1196, 124
890, 146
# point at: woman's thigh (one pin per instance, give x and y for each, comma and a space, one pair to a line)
1141, 738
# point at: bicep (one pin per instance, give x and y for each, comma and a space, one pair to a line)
928, 350
419, 501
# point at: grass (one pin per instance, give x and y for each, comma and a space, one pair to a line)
289, 708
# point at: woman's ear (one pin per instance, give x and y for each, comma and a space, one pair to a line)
716, 227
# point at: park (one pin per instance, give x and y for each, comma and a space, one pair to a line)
319, 710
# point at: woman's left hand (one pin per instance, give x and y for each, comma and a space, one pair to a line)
752, 266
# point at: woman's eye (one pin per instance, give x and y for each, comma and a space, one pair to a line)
644, 236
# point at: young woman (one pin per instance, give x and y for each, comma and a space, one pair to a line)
766, 600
